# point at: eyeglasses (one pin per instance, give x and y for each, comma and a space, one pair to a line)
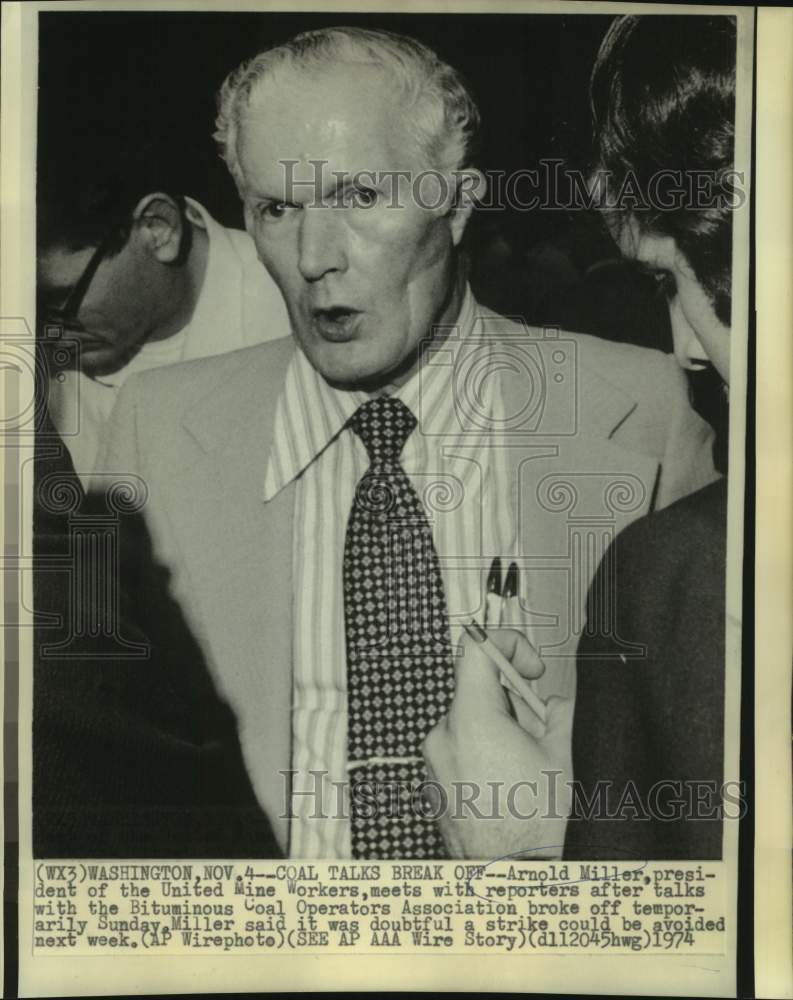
66, 315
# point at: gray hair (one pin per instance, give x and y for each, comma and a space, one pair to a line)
443, 117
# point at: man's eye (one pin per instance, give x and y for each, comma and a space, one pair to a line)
364, 197
273, 210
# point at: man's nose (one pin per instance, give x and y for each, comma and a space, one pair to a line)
321, 242
689, 352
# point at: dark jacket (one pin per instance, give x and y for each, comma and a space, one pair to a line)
656, 716
133, 756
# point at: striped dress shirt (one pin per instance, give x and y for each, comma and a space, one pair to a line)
453, 464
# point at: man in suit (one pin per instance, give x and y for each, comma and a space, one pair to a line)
329, 506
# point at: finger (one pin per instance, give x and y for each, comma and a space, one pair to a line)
480, 699
478, 694
518, 650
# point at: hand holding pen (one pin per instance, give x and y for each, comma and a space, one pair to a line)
492, 739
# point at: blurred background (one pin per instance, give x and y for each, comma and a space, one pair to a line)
108, 76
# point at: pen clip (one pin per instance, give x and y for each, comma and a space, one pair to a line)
511, 583
494, 577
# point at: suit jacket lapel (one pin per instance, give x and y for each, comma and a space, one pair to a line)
585, 425
579, 480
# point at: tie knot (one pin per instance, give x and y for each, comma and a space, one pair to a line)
383, 424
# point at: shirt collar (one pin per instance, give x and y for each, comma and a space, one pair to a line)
219, 303
311, 414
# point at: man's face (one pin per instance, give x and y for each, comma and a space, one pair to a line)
365, 282
114, 318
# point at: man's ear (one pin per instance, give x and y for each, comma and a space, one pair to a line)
159, 226
470, 189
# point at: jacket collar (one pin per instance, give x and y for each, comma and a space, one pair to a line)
543, 372
311, 414
601, 409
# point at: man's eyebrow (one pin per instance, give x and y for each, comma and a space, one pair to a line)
364, 178
340, 182
252, 192
275, 199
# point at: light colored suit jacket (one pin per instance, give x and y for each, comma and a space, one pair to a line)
599, 434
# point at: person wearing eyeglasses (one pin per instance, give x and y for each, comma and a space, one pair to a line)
134, 275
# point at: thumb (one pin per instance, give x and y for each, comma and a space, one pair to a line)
478, 691
518, 650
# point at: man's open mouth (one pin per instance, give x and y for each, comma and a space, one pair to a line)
337, 323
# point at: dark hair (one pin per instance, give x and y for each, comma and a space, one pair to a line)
88, 185
663, 99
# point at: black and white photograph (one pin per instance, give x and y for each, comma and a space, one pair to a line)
474, 412
390, 414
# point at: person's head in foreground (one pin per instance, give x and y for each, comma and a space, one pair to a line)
347, 147
663, 105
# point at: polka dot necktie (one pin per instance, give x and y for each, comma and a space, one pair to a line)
400, 671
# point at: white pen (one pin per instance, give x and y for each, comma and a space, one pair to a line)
493, 602
495, 655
